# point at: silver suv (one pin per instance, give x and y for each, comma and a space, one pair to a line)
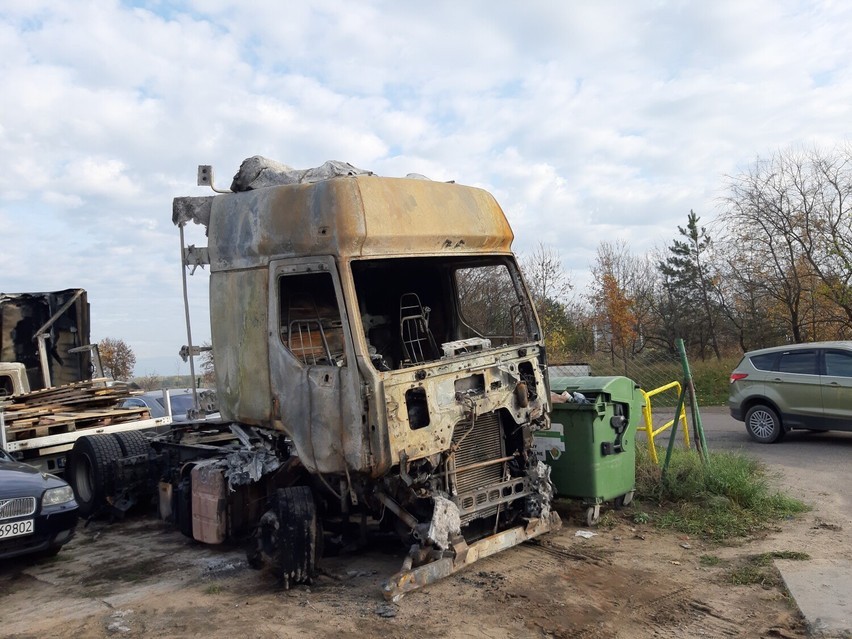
807, 386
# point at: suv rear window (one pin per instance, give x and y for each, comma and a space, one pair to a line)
801, 362
764, 362
838, 364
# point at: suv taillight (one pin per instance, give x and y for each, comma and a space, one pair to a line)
735, 377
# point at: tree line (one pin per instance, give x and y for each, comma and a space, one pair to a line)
775, 268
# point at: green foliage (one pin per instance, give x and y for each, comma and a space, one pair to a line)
764, 559
709, 560
687, 298
729, 497
712, 380
641, 517
749, 574
117, 358
759, 569
711, 377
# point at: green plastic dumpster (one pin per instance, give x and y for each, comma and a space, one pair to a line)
590, 446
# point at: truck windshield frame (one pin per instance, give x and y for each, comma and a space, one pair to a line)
420, 309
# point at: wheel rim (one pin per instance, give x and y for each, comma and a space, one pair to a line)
762, 424
83, 480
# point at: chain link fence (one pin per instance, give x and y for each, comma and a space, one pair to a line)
653, 369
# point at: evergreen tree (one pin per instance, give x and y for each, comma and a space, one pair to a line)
689, 289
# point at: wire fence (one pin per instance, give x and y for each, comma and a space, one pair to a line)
654, 369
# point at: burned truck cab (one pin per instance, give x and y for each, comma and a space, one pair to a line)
383, 327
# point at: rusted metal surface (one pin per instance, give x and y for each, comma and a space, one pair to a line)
354, 217
209, 503
411, 579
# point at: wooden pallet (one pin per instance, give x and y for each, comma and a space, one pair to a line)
58, 423
64, 409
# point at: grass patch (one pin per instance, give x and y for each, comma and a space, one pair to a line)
766, 558
729, 497
641, 517
749, 574
709, 561
608, 520
213, 589
759, 569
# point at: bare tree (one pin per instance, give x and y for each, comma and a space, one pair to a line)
208, 367
545, 276
566, 326
790, 218
117, 358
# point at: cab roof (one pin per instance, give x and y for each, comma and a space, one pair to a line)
354, 217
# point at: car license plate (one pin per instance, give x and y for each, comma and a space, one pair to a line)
16, 528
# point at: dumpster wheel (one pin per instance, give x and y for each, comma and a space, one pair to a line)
624, 500
593, 515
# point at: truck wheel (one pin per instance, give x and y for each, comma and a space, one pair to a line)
132, 443
298, 536
90, 471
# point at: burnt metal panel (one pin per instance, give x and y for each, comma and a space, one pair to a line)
239, 324
209, 503
357, 216
321, 407
23, 314
447, 411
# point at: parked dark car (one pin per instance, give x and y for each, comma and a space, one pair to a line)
38, 513
804, 386
181, 402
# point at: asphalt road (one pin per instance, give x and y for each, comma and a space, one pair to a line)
815, 468
815, 462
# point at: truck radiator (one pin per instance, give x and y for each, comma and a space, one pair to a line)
480, 487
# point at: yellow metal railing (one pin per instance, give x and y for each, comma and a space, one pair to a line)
649, 419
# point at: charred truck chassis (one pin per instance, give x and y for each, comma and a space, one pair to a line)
378, 359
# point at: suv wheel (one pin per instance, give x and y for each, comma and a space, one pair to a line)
763, 424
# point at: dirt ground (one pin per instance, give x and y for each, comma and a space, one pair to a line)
139, 578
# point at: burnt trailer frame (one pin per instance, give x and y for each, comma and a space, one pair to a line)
376, 346
49, 334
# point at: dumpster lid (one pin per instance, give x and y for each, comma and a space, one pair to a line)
618, 387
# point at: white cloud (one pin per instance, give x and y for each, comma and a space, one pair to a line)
589, 121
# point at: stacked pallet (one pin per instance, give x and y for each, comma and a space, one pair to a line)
68, 408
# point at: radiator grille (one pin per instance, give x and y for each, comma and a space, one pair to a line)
481, 444
17, 507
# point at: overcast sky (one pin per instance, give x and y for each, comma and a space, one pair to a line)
589, 121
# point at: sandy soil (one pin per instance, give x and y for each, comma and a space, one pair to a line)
139, 578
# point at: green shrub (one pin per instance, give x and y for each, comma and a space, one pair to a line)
730, 496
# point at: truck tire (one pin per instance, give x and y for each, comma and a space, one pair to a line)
91, 472
132, 443
298, 536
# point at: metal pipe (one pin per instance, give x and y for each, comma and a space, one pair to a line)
42, 357
186, 313
2, 427
167, 402
56, 315
398, 510
697, 426
487, 462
